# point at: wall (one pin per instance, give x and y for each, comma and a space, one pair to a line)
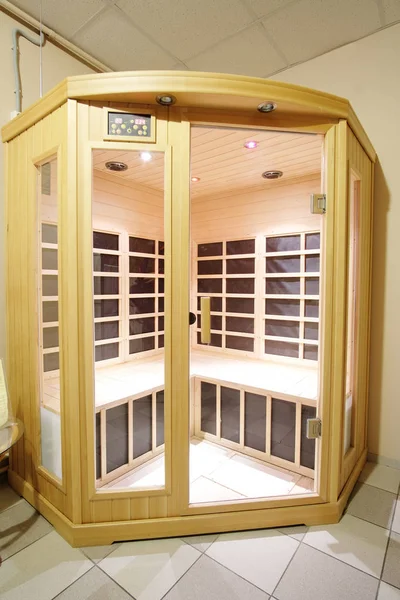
366, 72
56, 66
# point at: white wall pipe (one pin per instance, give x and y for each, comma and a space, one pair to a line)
16, 32
54, 37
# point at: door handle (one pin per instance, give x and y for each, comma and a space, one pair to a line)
192, 318
205, 304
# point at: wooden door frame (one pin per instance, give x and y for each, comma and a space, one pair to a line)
327, 467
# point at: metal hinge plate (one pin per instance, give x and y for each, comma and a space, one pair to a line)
314, 427
318, 204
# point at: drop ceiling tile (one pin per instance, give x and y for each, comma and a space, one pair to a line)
112, 39
263, 8
64, 17
247, 53
391, 10
188, 27
311, 27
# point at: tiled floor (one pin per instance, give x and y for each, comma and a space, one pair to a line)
218, 474
357, 559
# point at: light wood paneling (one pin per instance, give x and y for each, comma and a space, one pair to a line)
360, 169
23, 366
223, 164
120, 205
285, 209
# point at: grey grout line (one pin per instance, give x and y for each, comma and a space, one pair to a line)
287, 566
72, 583
237, 574
114, 581
340, 560
181, 577
27, 546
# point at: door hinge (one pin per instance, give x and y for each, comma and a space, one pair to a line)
318, 204
314, 427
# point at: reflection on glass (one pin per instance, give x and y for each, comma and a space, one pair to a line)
128, 330
253, 387
48, 288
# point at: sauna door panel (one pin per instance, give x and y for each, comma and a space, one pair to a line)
255, 275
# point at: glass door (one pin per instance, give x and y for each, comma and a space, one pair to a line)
255, 297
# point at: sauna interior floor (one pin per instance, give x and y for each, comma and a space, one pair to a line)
220, 474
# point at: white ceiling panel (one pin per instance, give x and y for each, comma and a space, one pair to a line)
64, 17
262, 8
391, 10
112, 39
309, 28
246, 53
188, 27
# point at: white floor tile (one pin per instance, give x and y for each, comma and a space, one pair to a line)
201, 542
353, 541
97, 553
260, 557
42, 570
315, 575
150, 475
396, 520
205, 457
148, 569
205, 490
297, 531
388, 592
253, 479
8, 497
381, 476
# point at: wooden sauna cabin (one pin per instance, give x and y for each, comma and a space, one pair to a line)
188, 269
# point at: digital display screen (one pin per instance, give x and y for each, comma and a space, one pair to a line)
129, 125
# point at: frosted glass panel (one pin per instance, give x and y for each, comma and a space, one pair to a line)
208, 407
283, 429
230, 414
48, 255
255, 421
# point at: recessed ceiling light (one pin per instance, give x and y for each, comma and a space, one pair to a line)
145, 156
272, 174
114, 165
195, 179
166, 99
251, 144
266, 107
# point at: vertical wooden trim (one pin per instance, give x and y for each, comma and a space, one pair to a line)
339, 299
85, 313
177, 310
323, 460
